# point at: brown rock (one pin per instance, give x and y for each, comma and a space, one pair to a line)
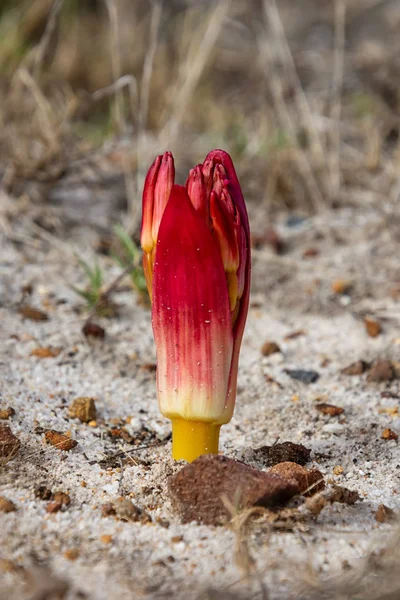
6, 505
9, 444
43, 493
6, 413
108, 510
127, 511
93, 330
28, 312
329, 409
338, 493
338, 470
341, 286
356, 368
310, 252
53, 507
381, 370
62, 498
384, 514
71, 554
269, 348
306, 478
59, 440
372, 326
82, 408
283, 452
389, 434
197, 490
106, 539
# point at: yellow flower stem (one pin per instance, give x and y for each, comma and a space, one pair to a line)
191, 439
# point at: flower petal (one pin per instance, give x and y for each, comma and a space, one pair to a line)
191, 317
162, 190
212, 159
221, 157
146, 236
197, 192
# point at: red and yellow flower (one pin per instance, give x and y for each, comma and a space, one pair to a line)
196, 258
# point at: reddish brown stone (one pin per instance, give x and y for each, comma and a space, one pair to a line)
6, 413
306, 478
372, 326
286, 451
384, 514
381, 370
329, 409
28, 312
9, 444
389, 434
356, 368
269, 348
338, 493
127, 511
59, 440
62, 498
6, 505
83, 408
197, 490
53, 507
93, 330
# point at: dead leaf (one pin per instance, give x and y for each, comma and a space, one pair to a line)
372, 326
46, 352
34, 314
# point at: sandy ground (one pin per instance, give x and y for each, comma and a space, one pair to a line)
96, 557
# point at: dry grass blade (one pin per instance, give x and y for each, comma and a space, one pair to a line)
112, 10
45, 111
120, 119
128, 81
276, 88
42, 49
192, 69
277, 29
242, 555
148, 66
336, 105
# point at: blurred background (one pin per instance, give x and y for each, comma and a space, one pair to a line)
305, 96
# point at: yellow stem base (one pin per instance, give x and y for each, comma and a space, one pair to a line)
191, 439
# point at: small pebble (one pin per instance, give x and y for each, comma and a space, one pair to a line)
372, 326
83, 408
384, 514
59, 440
6, 506
356, 368
303, 375
106, 539
269, 348
338, 470
9, 444
329, 409
71, 554
381, 370
310, 481
6, 413
389, 434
